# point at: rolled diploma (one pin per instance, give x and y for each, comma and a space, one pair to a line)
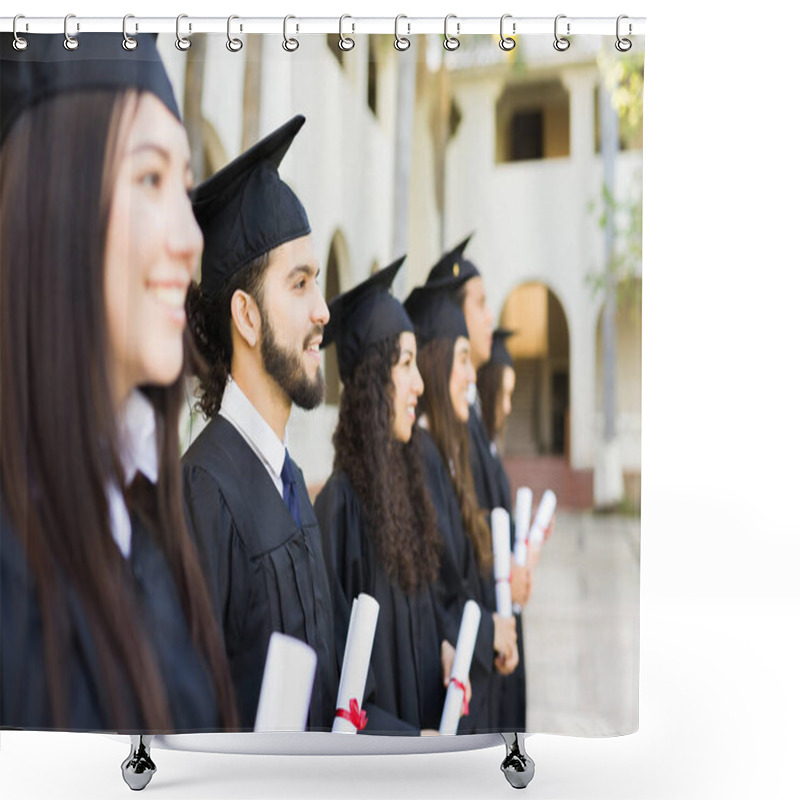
544, 514
465, 647
522, 520
501, 547
286, 685
357, 653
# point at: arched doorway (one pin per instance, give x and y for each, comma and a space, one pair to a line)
539, 421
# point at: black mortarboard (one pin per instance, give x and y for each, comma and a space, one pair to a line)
435, 312
365, 315
45, 69
245, 209
500, 354
453, 265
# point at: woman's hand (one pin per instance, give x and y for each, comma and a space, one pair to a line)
520, 584
505, 636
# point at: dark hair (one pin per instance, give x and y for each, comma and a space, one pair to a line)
387, 475
452, 439
58, 167
210, 324
490, 391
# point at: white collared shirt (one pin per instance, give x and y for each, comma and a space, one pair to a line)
255, 430
139, 453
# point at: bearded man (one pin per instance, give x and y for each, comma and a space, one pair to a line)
257, 318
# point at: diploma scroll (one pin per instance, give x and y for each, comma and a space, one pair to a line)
286, 686
355, 665
544, 515
465, 647
522, 521
501, 547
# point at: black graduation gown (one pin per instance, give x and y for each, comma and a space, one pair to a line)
404, 692
267, 573
494, 491
459, 581
23, 684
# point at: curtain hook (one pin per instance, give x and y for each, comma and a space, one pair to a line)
129, 42
346, 42
401, 42
182, 42
623, 45
289, 44
20, 42
561, 44
506, 42
451, 42
70, 42
234, 45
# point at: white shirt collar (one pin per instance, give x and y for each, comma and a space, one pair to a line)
242, 414
139, 453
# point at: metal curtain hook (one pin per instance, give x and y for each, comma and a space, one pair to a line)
70, 42
346, 42
506, 42
401, 42
289, 44
20, 43
561, 44
234, 45
451, 42
128, 42
623, 45
182, 42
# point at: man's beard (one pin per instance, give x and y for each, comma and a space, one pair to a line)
286, 368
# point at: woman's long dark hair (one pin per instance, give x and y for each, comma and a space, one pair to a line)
387, 475
490, 390
58, 426
452, 439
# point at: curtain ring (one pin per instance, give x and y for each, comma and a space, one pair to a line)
289, 44
234, 45
451, 42
506, 42
70, 42
128, 42
623, 45
346, 42
182, 42
561, 44
20, 43
400, 42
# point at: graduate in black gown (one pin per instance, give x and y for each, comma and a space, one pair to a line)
378, 523
491, 484
466, 565
106, 622
257, 317
496, 381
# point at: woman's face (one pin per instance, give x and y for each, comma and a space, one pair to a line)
504, 398
152, 248
408, 387
461, 376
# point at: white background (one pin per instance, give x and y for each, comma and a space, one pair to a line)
720, 605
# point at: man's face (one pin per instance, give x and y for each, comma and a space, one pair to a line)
293, 314
479, 320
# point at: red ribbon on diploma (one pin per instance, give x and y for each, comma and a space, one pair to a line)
354, 715
464, 703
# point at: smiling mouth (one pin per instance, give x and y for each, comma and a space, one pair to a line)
172, 297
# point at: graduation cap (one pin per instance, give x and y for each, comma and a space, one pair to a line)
365, 315
500, 354
245, 210
434, 310
45, 69
453, 266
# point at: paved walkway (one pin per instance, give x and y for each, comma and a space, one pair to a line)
581, 628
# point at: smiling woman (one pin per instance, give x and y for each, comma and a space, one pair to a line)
106, 621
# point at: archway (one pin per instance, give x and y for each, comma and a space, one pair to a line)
539, 421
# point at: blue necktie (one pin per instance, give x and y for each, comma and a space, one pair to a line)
290, 489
